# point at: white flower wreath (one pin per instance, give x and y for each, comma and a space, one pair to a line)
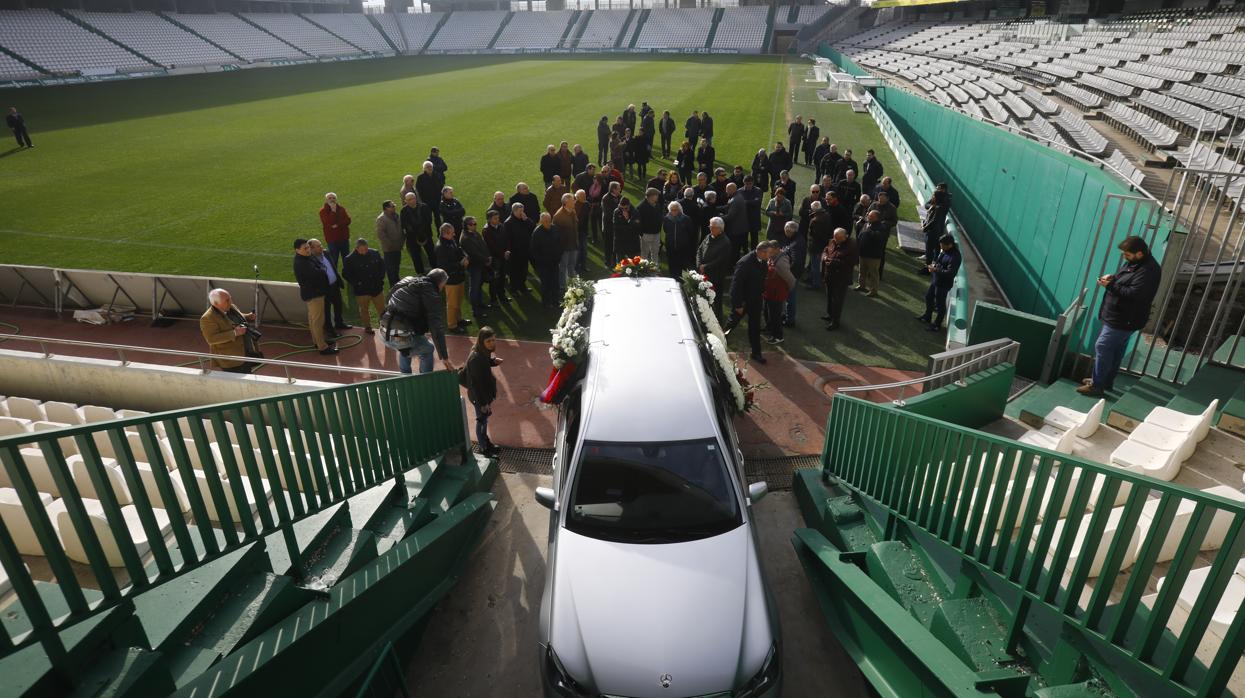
718, 348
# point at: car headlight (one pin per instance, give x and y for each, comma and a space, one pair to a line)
765, 680
562, 682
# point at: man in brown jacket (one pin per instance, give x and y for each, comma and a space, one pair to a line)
838, 259
566, 225
224, 328
553, 195
392, 239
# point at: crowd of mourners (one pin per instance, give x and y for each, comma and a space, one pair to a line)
753, 231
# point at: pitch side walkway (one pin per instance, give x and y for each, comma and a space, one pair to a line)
790, 420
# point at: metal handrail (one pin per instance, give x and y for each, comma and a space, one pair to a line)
925, 379
202, 357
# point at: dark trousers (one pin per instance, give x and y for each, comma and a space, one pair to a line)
518, 271
549, 294
333, 310
483, 412
603, 153
936, 303
393, 261
813, 274
665, 144
497, 279
475, 289
417, 251
719, 290
773, 317
931, 245
752, 313
793, 147
337, 251
23, 137
837, 284
607, 245
594, 222
581, 262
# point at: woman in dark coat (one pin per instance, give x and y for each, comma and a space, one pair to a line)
626, 231
686, 160
603, 140
672, 190
640, 152
482, 385
706, 156
760, 170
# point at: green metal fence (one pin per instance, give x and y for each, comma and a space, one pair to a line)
1039, 522
309, 449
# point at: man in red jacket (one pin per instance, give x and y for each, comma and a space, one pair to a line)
336, 224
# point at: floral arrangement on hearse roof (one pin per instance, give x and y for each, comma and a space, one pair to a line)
635, 268
701, 294
569, 337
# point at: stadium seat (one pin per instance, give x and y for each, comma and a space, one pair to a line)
111, 472
1110, 535
95, 413
63, 412
1197, 424
1146, 460
1050, 438
25, 408
108, 542
1156, 437
17, 521
152, 488
1215, 533
12, 426
37, 467
1084, 424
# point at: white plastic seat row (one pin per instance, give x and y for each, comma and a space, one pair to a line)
1229, 603
1083, 424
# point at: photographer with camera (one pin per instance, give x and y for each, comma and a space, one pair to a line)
414, 311
227, 333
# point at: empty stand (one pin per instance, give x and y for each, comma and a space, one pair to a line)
304, 35
389, 25
467, 31
237, 36
354, 28
62, 46
668, 28
534, 30
742, 28
417, 28
13, 69
156, 38
603, 28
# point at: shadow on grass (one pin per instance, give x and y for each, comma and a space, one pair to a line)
71, 106
11, 151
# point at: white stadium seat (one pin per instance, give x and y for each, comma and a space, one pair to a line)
1197, 424
1084, 424
17, 521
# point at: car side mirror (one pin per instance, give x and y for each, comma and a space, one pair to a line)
756, 491
546, 498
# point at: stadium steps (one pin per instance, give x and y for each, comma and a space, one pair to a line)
793, 14
334, 34
435, 30
22, 59
383, 34
574, 28
769, 28
1032, 406
713, 27
192, 32
251, 619
1131, 409
639, 27
622, 33
265, 30
91, 28
501, 28
1212, 382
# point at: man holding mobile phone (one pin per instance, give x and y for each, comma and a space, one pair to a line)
1125, 309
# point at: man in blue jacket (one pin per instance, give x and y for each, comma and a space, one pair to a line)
1125, 309
942, 272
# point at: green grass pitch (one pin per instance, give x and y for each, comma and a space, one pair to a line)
210, 174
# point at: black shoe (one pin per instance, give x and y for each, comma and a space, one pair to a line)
759, 359
463, 323
342, 326
329, 351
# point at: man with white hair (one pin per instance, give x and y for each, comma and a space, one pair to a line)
429, 190
224, 327
680, 239
714, 259
313, 286
336, 224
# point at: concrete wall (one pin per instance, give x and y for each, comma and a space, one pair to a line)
1033, 332
135, 386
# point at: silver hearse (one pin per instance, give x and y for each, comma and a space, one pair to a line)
654, 583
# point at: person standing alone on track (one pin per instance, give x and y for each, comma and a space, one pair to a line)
1125, 309
336, 224
481, 385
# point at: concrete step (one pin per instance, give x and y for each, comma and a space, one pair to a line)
310, 533
452, 482
832, 513
399, 521
28, 672
893, 566
346, 551
1211, 382
1146, 394
974, 630
1032, 406
1232, 416
126, 671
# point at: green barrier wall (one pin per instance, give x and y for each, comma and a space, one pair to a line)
1033, 332
975, 404
1031, 211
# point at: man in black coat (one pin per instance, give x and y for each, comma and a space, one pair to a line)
892, 194
416, 222
810, 142
666, 128
706, 127
313, 286
935, 224
706, 155
746, 288
650, 213
845, 164
452, 258
871, 172
364, 270
848, 188
943, 271
415, 310
439, 168
713, 260
779, 160
609, 203
603, 139
550, 165
518, 230
17, 124
523, 195
691, 128
1129, 293
579, 159
736, 218
829, 163
795, 134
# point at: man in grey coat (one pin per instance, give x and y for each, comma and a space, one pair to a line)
392, 240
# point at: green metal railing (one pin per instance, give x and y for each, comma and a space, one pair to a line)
999, 504
312, 449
